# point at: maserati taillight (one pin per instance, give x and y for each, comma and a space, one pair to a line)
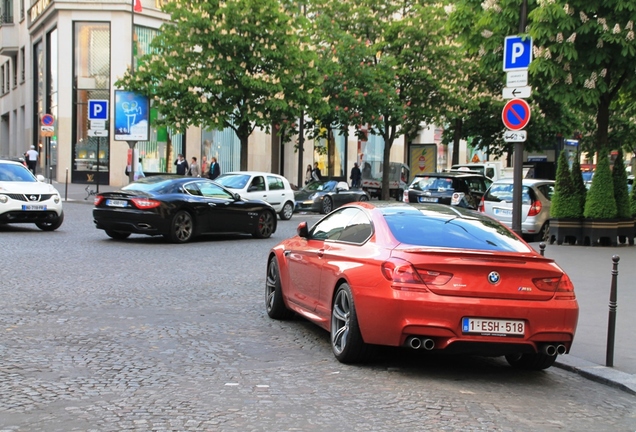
145, 203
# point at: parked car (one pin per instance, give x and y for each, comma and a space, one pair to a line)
25, 198
272, 188
458, 188
326, 195
535, 205
444, 279
180, 208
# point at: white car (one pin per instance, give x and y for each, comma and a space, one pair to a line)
271, 188
27, 199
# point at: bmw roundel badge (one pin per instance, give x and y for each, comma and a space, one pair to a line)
493, 277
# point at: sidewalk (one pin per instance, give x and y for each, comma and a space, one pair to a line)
590, 269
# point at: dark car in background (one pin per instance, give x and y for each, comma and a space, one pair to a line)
459, 188
326, 195
180, 208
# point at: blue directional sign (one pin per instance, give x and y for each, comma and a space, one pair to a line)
97, 109
517, 53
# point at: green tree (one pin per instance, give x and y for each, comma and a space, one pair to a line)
579, 184
566, 203
600, 203
397, 67
240, 64
621, 194
585, 52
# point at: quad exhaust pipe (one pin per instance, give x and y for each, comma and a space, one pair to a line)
417, 343
552, 350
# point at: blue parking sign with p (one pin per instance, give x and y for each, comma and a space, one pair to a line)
517, 53
97, 109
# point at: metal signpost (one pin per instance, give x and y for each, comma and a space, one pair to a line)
47, 130
516, 112
98, 115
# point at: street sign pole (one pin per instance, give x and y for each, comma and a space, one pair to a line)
131, 174
97, 171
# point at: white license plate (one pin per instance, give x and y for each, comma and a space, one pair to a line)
371, 190
33, 207
427, 199
493, 327
116, 203
502, 212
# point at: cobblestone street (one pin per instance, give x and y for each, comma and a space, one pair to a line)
104, 335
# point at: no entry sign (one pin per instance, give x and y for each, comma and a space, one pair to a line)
516, 114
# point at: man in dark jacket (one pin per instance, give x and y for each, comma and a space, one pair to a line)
356, 176
215, 169
181, 164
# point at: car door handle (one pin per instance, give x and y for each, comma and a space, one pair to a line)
286, 253
212, 204
321, 252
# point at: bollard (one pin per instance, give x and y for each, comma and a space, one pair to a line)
66, 186
542, 248
611, 325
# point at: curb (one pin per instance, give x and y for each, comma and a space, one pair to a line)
601, 374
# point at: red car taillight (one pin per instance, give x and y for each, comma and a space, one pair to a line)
403, 272
535, 208
145, 203
482, 205
98, 200
562, 286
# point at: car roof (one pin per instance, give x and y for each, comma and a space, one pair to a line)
525, 181
452, 174
253, 173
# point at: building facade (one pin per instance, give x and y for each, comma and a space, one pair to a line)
57, 55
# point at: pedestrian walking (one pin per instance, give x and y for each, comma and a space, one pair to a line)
215, 169
308, 174
356, 176
194, 168
205, 168
316, 174
31, 157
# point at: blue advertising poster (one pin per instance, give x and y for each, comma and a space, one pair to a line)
132, 111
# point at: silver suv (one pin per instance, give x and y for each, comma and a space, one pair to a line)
535, 208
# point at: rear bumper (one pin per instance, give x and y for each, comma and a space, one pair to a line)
424, 314
129, 221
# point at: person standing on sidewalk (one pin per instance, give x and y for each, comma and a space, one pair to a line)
215, 169
194, 168
181, 164
32, 159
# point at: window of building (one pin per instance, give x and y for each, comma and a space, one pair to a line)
22, 10
6, 13
2, 90
225, 146
22, 65
14, 67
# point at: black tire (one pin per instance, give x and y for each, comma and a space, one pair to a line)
400, 195
364, 198
181, 228
327, 205
265, 226
287, 211
117, 235
531, 361
346, 339
274, 303
51, 226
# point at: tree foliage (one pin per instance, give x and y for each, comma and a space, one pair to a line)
240, 64
566, 203
619, 181
600, 202
579, 185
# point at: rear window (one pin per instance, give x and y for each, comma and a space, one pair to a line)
432, 183
452, 229
504, 193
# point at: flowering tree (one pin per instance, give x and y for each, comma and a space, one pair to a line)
240, 64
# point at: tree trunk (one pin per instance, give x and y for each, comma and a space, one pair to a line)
602, 122
386, 166
457, 135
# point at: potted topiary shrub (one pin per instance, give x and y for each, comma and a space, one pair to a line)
600, 223
621, 196
566, 210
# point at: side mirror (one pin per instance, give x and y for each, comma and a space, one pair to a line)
236, 196
302, 230
41, 178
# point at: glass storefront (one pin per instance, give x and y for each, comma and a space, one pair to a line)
224, 145
91, 77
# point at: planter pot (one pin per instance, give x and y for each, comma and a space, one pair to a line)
568, 231
608, 232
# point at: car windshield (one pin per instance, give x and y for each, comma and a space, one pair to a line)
432, 183
233, 181
321, 186
451, 229
15, 173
